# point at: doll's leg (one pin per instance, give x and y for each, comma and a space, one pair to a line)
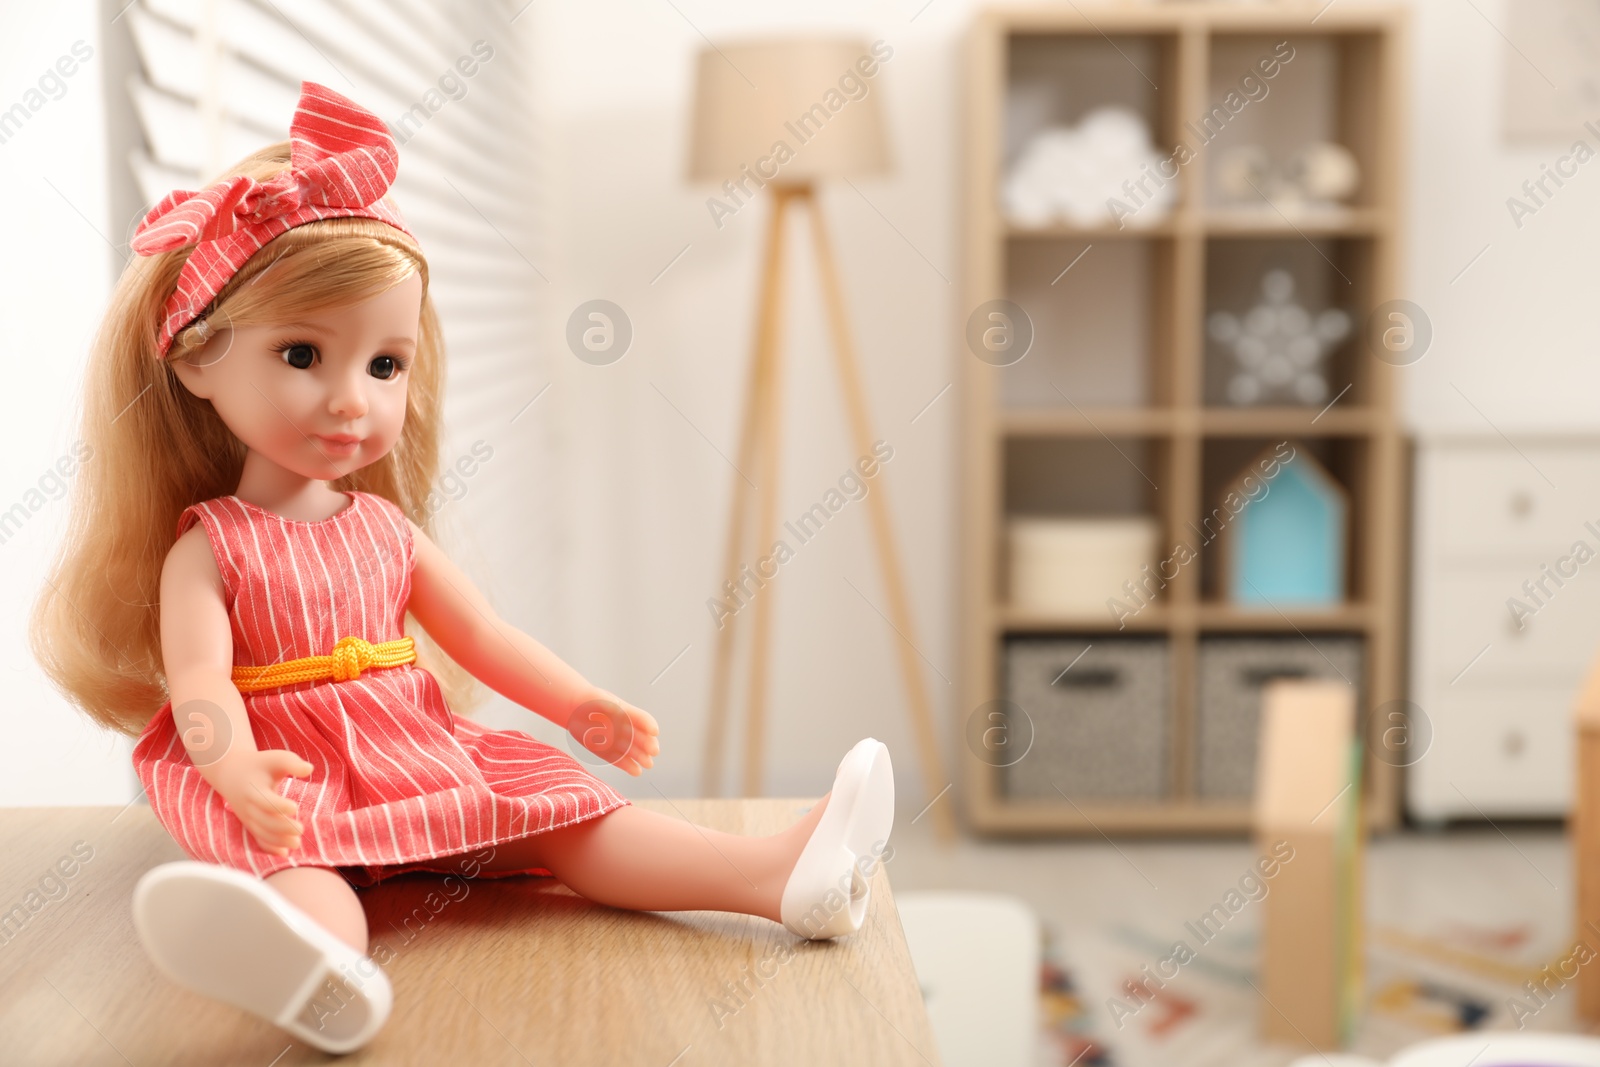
325, 896
644, 860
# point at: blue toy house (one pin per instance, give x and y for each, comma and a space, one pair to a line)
1287, 546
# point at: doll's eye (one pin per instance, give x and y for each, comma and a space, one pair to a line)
385, 366
299, 356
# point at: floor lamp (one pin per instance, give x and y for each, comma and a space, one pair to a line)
779, 117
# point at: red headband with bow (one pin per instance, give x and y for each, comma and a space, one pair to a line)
342, 161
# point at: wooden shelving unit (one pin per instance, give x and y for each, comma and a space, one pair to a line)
1172, 62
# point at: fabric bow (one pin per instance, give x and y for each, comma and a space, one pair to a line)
341, 156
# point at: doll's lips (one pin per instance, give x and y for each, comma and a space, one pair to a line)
342, 444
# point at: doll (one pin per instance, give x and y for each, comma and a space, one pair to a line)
263, 405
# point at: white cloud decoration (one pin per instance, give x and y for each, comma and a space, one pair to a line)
1069, 174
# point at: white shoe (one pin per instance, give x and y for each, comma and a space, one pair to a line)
827, 891
228, 935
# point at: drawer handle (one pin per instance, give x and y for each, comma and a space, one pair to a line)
1521, 505
1513, 743
1089, 678
1256, 677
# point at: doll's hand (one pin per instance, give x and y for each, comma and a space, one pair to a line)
616, 731
248, 781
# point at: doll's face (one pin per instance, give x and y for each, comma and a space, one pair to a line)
321, 397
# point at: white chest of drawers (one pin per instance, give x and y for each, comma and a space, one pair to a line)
1505, 620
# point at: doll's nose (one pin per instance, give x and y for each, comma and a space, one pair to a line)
348, 399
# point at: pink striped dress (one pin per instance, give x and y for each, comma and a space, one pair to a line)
398, 781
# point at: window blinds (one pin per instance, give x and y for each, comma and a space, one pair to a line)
209, 81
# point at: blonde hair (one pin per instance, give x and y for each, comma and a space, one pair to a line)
151, 449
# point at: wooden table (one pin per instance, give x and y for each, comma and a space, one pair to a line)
495, 971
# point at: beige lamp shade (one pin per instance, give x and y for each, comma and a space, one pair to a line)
791, 110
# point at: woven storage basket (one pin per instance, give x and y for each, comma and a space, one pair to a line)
1100, 729
1233, 671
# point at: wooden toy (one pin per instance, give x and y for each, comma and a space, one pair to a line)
1310, 835
1286, 542
1584, 828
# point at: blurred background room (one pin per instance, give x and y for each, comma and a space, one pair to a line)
1173, 428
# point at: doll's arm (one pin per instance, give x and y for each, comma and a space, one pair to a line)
197, 657
457, 616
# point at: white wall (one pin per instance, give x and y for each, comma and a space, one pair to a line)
650, 495
1515, 334
53, 280
646, 498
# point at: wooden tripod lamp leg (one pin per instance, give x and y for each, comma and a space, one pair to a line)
770, 447
762, 382
883, 535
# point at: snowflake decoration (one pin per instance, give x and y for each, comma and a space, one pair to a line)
1279, 348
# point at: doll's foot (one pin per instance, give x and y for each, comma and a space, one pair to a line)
802, 829
228, 935
827, 891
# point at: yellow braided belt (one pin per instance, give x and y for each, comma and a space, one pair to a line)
351, 656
